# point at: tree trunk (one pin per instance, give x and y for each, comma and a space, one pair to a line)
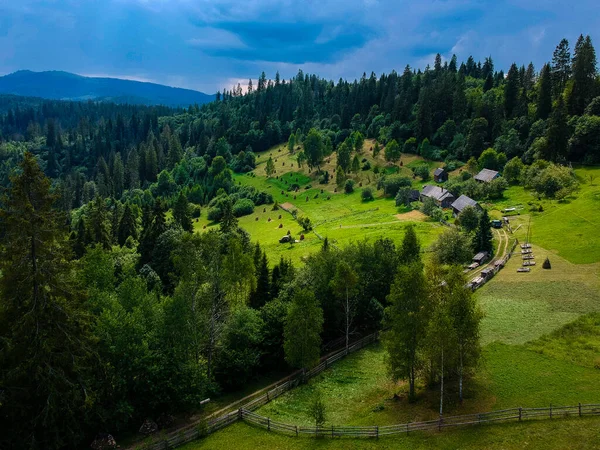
347, 318
460, 378
442, 386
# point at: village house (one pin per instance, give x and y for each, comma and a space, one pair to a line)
443, 197
461, 203
486, 175
440, 175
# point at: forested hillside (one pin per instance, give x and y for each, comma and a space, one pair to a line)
113, 310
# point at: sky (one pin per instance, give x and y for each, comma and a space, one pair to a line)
209, 45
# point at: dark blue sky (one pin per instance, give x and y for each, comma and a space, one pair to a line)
211, 44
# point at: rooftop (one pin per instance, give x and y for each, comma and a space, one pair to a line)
486, 175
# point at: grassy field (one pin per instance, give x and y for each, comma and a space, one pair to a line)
358, 392
549, 435
342, 218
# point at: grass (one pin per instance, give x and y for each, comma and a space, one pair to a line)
358, 392
568, 228
550, 435
520, 307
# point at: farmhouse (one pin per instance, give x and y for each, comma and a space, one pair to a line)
486, 175
440, 175
442, 196
461, 203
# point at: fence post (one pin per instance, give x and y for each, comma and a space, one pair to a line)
407, 428
331, 430
580, 410
551, 410
268, 399
520, 414
240, 414
296, 430
377, 431
440, 424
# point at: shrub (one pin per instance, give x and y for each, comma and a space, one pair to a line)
349, 186
391, 184
305, 223
422, 171
215, 214
367, 194
243, 207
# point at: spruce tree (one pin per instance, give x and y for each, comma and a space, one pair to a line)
261, 294
127, 226
584, 75
98, 223
45, 347
544, 100
482, 241
181, 213
511, 91
561, 67
302, 333
410, 250
557, 133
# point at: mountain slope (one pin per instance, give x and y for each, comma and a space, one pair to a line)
68, 86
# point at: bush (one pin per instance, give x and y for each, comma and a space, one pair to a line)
366, 166
349, 186
215, 214
305, 223
422, 171
195, 210
367, 194
391, 184
243, 207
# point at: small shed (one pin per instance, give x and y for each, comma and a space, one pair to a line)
440, 175
488, 273
486, 175
480, 257
461, 203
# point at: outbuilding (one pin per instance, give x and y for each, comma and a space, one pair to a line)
480, 257
462, 202
486, 175
440, 175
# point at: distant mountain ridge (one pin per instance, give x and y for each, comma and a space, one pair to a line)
58, 85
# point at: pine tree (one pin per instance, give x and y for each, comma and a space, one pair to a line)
544, 100
561, 67
482, 241
355, 164
43, 327
511, 91
80, 239
261, 294
291, 143
270, 167
584, 75
127, 226
98, 223
410, 251
557, 133
181, 213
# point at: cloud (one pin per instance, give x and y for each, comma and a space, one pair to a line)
204, 44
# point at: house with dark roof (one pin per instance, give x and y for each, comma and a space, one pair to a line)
440, 175
486, 175
443, 197
461, 203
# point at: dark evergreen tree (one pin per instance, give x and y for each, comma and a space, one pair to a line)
181, 213
511, 90
482, 241
584, 76
561, 67
127, 226
45, 347
544, 99
261, 294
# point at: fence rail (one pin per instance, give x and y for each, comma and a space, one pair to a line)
506, 415
254, 402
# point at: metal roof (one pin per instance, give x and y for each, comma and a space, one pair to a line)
486, 175
462, 202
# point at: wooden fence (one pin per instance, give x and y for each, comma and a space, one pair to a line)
506, 415
231, 415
